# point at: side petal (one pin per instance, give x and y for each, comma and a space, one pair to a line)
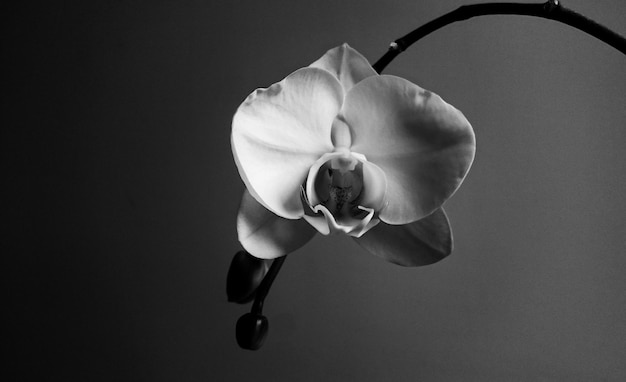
346, 64
279, 132
266, 235
419, 243
424, 145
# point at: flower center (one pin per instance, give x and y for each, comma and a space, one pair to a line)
339, 186
340, 195
336, 198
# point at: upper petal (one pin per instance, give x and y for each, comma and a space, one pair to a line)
266, 235
424, 145
419, 243
346, 64
279, 132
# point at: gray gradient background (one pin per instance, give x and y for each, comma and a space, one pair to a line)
122, 194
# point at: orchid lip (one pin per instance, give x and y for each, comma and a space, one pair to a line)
336, 188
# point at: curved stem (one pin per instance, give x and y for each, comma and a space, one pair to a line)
551, 9
264, 288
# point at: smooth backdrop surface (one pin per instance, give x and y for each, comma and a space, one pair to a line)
121, 194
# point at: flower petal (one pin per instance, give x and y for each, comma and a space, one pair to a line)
419, 243
279, 132
266, 235
346, 64
424, 145
374, 186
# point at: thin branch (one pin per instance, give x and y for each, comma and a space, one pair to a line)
551, 10
264, 288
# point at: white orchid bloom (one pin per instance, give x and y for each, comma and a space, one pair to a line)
336, 148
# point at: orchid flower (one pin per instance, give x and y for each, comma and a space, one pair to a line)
336, 148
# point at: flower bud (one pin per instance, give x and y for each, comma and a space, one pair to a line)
244, 277
251, 331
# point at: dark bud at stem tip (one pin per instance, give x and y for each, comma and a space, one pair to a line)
251, 331
244, 277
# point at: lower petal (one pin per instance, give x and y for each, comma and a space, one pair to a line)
423, 242
266, 235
